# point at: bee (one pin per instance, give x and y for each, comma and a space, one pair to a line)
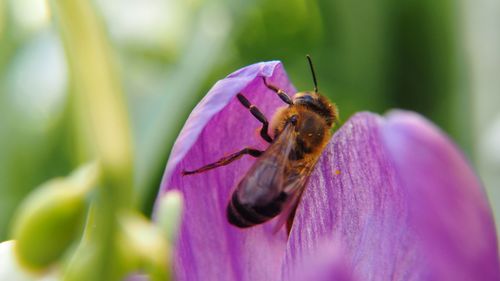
277, 179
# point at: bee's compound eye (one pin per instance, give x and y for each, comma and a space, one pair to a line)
304, 98
308, 99
293, 119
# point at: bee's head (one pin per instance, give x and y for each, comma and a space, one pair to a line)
319, 104
314, 101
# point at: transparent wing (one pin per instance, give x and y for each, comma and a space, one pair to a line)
294, 188
266, 178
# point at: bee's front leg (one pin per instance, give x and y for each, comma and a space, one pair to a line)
282, 94
225, 160
257, 114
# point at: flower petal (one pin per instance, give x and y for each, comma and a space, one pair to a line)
353, 197
388, 192
208, 247
328, 263
450, 211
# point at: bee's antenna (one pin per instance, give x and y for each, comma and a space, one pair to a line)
313, 73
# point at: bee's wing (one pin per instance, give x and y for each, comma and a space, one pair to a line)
265, 180
294, 188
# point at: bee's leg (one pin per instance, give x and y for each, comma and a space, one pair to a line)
283, 96
257, 114
225, 160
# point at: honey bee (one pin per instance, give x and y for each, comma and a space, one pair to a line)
276, 181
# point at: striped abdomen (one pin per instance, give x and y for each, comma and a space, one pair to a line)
246, 215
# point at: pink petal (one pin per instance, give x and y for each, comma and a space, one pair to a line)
209, 248
449, 208
354, 198
404, 206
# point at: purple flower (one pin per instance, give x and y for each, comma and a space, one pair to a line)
391, 198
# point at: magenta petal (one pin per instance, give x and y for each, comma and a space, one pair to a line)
449, 209
353, 197
208, 247
326, 264
401, 203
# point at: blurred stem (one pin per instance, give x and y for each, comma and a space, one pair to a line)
98, 93
2, 18
6, 49
105, 131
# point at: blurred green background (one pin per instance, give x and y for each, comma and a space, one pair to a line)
439, 58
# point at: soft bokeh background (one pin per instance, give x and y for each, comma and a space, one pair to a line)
440, 58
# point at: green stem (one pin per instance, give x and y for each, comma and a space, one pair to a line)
104, 134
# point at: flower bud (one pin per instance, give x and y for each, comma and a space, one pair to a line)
168, 214
11, 270
144, 246
50, 218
